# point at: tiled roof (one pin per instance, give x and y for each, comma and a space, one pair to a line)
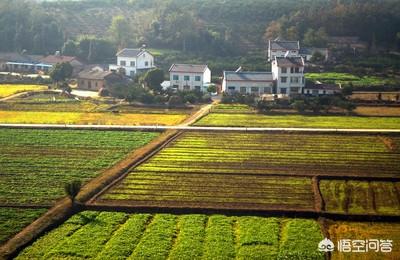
54, 59
247, 76
289, 61
130, 52
284, 45
190, 68
17, 57
93, 74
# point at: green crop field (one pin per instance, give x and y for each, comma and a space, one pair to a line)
36, 164
250, 170
107, 235
346, 79
258, 120
233, 109
14, 219
361, 197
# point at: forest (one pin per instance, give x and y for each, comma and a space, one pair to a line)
94, 30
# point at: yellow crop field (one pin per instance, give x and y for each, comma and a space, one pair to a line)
8, 90
87, 118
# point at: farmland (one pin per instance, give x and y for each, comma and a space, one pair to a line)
14, 219
250, 171
346, 79
31, 158
258, 120
8, 90
109, 118
365, 230
361, 197
107, 235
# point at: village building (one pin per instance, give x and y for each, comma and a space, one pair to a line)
20, 62
320, 89
133, 61
190, 77
280, 48
288, 72
93, 79
247, 82
52, 60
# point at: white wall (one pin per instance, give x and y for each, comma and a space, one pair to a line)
139, 63
281, 53
239, 85
192, 83
290, 79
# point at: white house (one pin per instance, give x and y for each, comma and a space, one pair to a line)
278, 48
288, 72
247, 82
190, 77
319, 89
133, 61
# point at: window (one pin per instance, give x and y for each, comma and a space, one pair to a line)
297, 70
132, 73
284, 70
294, 80
89, 84
283, 79
254, 89
122, 63
324, 92
294, 89
267, 90
96, 84
197, 78
231, 89
133, 63
186, 78
243, 90
197, 88
146, 64
175, 77
291, 70
283, 90
175, 86
186, 87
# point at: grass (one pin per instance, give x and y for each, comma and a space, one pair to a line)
360, 197
8, 90
28, 157
87, 118
12, 220
165, 236
256, 120
346, 79
363, 231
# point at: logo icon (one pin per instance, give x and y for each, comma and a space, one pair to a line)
326, 245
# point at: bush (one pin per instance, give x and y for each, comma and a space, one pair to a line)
175, 101
299, 105
190, 97
103, 92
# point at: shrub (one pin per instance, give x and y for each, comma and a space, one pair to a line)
175, 101
299, 105
72, 189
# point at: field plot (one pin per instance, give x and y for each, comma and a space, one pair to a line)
250, 170
233, 109
363, 231
87, 118
258, 120
14, 219
8, 90
36, 164
106, 235
361, 197
346, 79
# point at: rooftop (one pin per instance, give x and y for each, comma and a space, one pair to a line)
127, 52
54, 59
290, 61
284, 45
190, 68
94, 74
248, 76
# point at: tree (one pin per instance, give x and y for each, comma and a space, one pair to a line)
72, 189
70, 48
212, 88
60, 72
120, 31
299, 105
314, 38
153, 79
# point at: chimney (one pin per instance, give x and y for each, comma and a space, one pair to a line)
143, 47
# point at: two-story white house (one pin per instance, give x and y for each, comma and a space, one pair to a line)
280, 48
133, 61
190, 77
247, 82
288, 72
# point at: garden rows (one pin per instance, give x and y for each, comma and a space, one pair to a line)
262, 172
106, 235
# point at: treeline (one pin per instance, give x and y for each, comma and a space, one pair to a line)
25, 26
215, 27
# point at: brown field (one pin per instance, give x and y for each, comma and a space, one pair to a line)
362, 231
377, 111
373, 96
